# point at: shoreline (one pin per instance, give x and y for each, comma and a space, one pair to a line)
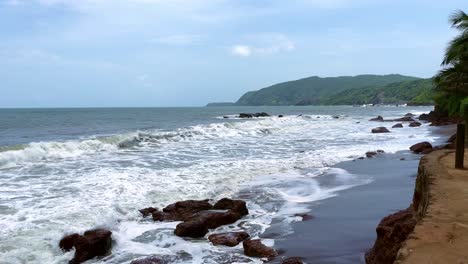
342, 228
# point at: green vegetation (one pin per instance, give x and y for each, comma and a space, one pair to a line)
416, 92
361, 89
452, 81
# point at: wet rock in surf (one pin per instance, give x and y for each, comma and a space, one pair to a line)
149, 260
414, 124
397, 126
380, 130
181, 211
230, 239
237, 206
392, 231
409, 114
404, 119
255, 248
371, 154
420, 147
250, 115
280, 116
293, 260
201, 222
305, 217
92, 243
147, 211
378, 118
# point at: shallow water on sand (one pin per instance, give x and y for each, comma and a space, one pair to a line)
68, 170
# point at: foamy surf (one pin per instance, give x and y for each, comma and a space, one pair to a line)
279, 165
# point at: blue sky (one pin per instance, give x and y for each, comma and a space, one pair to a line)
83, 53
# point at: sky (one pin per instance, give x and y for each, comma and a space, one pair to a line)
109, 53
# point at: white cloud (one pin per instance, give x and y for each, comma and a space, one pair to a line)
267, 44
241, 50
178, 40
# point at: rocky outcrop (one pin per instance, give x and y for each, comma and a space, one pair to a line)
251, 115
198, 216
92, 243
392, 231
439, 119
404, 119
181, 211
404, 235
201, 222
230, 239
380, 130
421, 147
255, 248
378, 118
414, 124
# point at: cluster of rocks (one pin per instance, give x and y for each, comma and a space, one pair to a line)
252, 115
406, 118
197, 218
92, 243
439, 119
426, 147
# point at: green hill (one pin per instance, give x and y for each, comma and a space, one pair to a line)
317, 90
416, 92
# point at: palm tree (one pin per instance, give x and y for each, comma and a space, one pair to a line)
453, 79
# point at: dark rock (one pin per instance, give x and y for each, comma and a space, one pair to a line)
380, 151
414, 124
392, 231
245, 115
181, 211
200, 222
370, 154
149, 260
336, 117
424, 117
397, 126
380, 130
237, 206
305, 217
92, 243
420, 147
148, 211
378, 118
261, 114
361, 158
280, 116
230, 239
402, 158
293, 260
439, 118
404, 119
255, 248
409, 114
223, 117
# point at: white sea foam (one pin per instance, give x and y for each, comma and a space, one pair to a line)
278, 164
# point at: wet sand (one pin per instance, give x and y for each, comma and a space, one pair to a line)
343, 227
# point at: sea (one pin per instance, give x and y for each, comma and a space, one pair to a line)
73, 169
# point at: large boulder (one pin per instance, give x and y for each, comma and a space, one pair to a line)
237, 206
392, 231
230, 239
201, 222
245, 115
421, 147
261, 114
181, 211
92, 243
255, 248
414, 124
380, 130
378, 118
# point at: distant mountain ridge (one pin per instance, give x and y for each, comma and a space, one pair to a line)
329, 90
360, 89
